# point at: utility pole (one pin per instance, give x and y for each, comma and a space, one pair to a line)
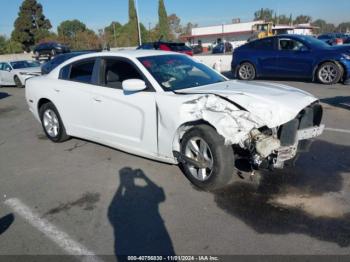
138, 22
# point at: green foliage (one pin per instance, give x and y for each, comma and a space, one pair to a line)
163, 21
344, 27
70, 28
323, 26
175, 26
264, 14
130, 32
7, 46
302, 19
31, 24
75, 34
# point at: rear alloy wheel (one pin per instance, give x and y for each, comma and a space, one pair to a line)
37, 55
53, 52
52, 123
246, 71
329, 73
18, 82
209, 163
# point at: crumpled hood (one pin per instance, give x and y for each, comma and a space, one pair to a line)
274, 104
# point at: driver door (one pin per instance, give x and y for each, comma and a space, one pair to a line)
124, 120
294, 58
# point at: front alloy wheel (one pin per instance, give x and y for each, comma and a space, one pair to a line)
198, 150
208, 162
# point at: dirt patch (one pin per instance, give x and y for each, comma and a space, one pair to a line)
76, 146
42, 137
86, 202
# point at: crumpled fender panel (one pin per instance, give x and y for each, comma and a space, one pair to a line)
230, 122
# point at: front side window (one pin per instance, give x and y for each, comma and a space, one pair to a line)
290, 45
176, 72
24, 64
116, 71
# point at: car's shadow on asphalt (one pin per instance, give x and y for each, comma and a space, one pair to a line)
134, 215
4, 95
6, 222
338, 101
306, 199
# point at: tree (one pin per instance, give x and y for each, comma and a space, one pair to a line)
344, 27
302, 19
31, 24
175, 26
163, 21
7, 46
264, 14
187, 29
3, 43
112, 32
323, 26
70, 28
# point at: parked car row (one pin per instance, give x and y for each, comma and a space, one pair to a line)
50, 49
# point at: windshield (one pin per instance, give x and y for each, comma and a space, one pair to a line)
176, 72
24, 64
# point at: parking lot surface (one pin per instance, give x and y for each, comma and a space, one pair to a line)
83, 198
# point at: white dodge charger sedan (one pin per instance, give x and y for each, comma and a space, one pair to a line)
172, 108
15, 73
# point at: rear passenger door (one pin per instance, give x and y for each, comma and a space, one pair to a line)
265, 54
125, 120
73, 96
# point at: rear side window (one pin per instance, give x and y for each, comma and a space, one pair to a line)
79, 72
82, 72
265, 44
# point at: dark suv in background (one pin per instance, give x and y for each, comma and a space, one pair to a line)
168, 46
50, 49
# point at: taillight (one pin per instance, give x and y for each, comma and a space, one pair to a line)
339, 41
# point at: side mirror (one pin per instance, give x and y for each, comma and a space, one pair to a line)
134, 85
8, 69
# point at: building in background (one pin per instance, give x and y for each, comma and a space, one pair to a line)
238, 33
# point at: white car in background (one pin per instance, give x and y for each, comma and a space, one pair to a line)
15, 73
169, 107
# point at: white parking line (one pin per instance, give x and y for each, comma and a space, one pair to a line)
61, 238
338, 130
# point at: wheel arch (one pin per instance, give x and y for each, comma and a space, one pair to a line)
41, 102
183, 128
319, 64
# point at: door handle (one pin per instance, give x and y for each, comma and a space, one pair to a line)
57, 90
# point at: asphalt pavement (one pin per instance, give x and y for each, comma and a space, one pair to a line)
83, 198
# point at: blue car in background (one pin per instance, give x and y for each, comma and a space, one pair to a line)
292, 56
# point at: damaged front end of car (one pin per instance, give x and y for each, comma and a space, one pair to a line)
265, 147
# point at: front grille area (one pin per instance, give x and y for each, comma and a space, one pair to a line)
309, 117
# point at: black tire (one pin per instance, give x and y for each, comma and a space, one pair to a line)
246, 71
62, 135
18, 82
329, 73
223, 158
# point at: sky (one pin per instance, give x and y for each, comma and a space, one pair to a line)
97, 14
